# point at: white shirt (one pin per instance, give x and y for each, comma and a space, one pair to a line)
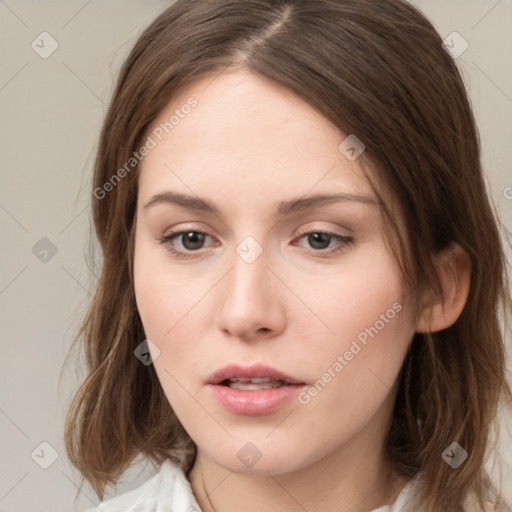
169, 491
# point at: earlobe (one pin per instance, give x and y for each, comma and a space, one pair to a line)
453, 267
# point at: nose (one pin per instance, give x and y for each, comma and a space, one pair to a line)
250, 300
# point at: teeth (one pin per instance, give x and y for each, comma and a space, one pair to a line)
258, 380
254, 384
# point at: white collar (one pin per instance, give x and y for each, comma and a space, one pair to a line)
169, 491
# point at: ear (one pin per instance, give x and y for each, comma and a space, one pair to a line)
453, 267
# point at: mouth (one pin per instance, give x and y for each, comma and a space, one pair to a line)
245, 384
257, 376
253, 390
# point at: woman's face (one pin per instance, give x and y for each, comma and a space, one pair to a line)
254, 289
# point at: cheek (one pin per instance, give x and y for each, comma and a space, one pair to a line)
163, 302
163, 297
351, 297
150, 288
357, 363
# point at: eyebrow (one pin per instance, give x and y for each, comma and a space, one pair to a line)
282, 208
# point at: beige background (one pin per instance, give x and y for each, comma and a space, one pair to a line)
51, 111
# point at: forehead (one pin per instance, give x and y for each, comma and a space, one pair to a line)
246, 137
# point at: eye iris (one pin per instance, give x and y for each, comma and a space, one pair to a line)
322, 237
196, 239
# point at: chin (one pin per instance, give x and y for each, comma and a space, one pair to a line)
260, 458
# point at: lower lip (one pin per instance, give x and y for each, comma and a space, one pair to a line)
254, 402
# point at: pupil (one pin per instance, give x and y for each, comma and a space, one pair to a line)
324, 237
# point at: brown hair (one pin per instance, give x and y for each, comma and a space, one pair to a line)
376, 69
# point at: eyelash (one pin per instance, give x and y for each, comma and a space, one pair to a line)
346, 241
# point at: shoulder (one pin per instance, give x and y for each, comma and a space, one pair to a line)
500, 507
406, 495
166, 491
408, 492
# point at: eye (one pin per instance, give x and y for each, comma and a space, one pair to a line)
320, 240
192, 241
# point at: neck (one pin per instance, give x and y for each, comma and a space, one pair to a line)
353, 478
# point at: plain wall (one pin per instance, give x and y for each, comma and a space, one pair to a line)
51, 112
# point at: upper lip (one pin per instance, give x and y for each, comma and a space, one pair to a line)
234, 371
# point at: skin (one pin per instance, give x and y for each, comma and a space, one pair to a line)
292, 308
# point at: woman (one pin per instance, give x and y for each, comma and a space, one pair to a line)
302, 274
